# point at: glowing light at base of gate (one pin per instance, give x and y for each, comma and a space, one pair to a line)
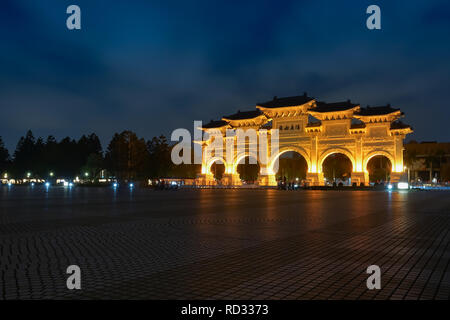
313, 169
403, 185
359, 167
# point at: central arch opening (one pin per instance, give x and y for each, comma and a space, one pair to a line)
292, 167
218, 169
248, 170
337, 169
379, 168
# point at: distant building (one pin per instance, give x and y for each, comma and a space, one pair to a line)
428, 161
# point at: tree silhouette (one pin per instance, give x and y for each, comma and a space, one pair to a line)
160, 163
127, 155
24, 154
4, 157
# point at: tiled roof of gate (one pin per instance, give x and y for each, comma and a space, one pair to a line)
334, 106
215, 124
286, 102
375, 111
399, 125
242, 115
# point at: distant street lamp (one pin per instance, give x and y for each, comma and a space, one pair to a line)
51, 174
86, 174
28, 174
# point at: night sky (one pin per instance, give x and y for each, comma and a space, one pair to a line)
154, 66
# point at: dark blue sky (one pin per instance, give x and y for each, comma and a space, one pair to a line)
153, 66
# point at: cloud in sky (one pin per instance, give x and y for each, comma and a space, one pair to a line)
153, 66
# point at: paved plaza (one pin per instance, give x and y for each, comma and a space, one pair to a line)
223, 244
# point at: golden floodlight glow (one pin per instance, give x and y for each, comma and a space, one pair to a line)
342, 127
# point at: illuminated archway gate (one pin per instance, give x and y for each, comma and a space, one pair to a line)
315, 130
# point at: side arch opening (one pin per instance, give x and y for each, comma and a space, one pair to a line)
337, 169
379, 168
248, 168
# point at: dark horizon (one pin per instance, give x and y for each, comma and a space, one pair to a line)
154, 67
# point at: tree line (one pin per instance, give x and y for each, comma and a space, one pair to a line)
127, 157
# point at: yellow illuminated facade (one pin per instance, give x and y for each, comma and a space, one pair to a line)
313, 129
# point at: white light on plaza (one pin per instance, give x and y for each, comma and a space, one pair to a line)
403, 185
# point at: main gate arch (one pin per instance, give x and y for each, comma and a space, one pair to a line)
213, 160
275, 157
313, 129
325, 154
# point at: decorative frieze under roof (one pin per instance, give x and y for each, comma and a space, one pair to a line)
314, 127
